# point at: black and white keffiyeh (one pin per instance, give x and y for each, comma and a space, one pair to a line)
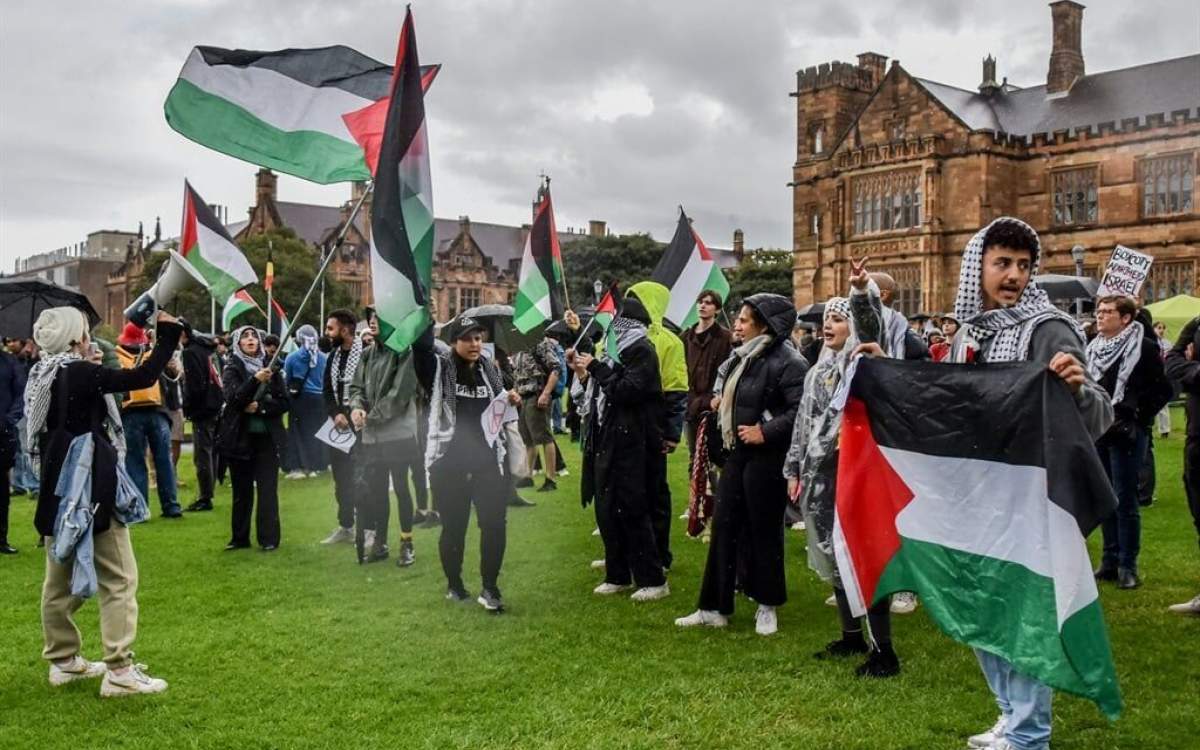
443, 405
38, 392
344, 364
1009, 328
1125, 347
252, 364
627, 331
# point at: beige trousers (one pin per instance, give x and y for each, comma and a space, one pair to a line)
117, 578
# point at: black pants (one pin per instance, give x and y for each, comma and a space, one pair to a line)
260, 470
381, 461
342, 465
457, 485
630, 553
751, 497
203, 443
1147, 475
1191, 478
879, 618
5, 498
659, 494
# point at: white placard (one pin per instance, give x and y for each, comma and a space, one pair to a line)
497, 414
330, 435
1126, 272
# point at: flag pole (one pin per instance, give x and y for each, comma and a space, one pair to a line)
212, 314
271, 285
584, 331
321, 271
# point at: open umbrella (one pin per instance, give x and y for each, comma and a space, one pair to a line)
498, 321
22, 301
814, 313
1060, 286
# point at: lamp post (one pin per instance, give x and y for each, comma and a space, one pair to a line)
1077, 255
597, 287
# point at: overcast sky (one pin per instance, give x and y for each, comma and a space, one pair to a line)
631, 106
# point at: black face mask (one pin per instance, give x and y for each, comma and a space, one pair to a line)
327, 344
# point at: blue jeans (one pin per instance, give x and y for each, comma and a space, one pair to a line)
150, 427
1122, 458
23, 477
556, 414
1024, 701
304, 451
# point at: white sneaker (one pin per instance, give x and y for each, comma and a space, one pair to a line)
831, 601
651, 593
133, 681
596, 531
706, 617
368, 539
765, 621
314, 474
798, 526
340, 535
77, 668
607, 588
991, 737
296, 474
904, 603
599, 565
1187, 608
564, 473
683, 516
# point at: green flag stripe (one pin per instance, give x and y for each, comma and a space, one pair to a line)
220, 125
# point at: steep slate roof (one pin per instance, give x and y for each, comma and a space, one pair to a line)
1130, 93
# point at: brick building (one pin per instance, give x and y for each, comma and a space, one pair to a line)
905, 169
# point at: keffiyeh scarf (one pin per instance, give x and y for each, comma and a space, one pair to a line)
1010, 329
344, 364
1125, 347
252, 364
38, 392
443, 406
626, 331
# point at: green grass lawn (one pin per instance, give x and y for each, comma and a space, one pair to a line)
304, 648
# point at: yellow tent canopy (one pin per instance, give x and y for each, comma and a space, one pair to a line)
1175, 312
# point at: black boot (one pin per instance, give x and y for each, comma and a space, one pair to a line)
1127, 578
1106, 572
881, 662
6, 548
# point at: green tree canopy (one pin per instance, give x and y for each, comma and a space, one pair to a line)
625, 259
296, 264
760, 271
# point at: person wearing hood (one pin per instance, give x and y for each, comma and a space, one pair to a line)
202, 400
673, 371
1127, 365
383, 408
621, 447
1005, 317
147, 424
304, 372
464, 468
253, 439
761, 390
67, 396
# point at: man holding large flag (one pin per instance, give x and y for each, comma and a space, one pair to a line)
990, 532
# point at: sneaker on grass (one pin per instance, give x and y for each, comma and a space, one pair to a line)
1186, 608
132, 680
596, 531
295, 474
988, 739
706, 617
407, 555
765, 621
340, 535
491, 601
75, 668
549, 486
524, 482
458, 596
599, 564
607, 588
314, 474
651, 593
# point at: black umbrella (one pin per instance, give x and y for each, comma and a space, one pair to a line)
498, 321
22, 301
1060, 286
814, 313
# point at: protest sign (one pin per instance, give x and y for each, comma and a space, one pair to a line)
330, 435
1126, 272
497, 414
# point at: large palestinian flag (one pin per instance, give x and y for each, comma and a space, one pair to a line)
538, 287
206, 245
975, 486
284, 109
688, 268
402, 212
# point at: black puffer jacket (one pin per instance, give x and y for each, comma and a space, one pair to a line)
769, 391
240, 388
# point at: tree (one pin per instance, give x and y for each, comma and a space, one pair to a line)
760, 271
296, 264
625, 259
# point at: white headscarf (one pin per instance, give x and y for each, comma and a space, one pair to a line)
252, 364
1103, 353
1010, 328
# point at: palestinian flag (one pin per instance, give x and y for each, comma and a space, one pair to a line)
280, 325
538, 287
688, 268
402, 212
206, 245
603, 317
975, 487
240, 302
282, 109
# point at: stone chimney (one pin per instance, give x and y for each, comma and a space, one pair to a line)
464, 225
739, 244
597, 228
875, 64
264, 191
989, 85
1066, 55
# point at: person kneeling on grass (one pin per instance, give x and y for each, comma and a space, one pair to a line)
68, 396
462, 466
760, 392
621, 398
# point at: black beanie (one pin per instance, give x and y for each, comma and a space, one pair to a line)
633, 309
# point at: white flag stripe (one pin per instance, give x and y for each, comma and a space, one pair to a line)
291, 105
219, 252
687, 287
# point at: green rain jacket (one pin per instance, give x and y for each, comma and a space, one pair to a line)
672, 365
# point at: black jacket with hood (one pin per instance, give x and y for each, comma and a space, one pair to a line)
769, 391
